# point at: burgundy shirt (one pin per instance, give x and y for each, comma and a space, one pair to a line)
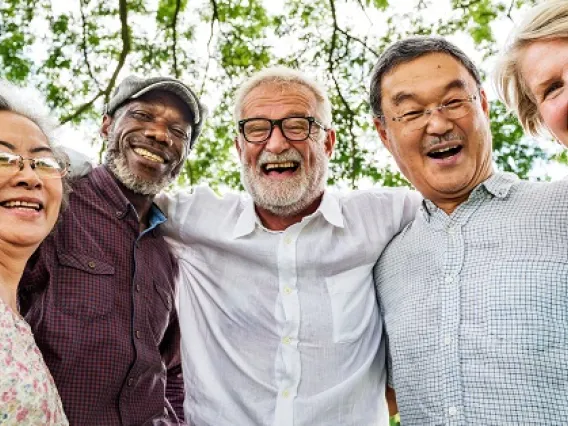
99, 296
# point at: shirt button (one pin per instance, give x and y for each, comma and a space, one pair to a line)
287, 240
452, 411
138, 288
447, 340
286, 393
287, 290
118, 214
138, 334
286, 340
92, 264
449, 279
130, 381
451, 230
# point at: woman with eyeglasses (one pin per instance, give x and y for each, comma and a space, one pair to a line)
532, 76
31, 193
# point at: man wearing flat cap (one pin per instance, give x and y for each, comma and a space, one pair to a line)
99, 293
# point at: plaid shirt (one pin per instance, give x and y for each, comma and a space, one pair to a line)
476, 308
99, 296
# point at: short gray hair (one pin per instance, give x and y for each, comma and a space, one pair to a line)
548, 20
29, 104
284, 77
406, 50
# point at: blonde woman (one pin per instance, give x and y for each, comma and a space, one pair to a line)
31, 192
532, 75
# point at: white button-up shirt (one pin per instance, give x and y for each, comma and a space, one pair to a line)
282, 328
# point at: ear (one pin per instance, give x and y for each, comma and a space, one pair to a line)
382, 131
329, 142
105, 126
238, 146
484, 102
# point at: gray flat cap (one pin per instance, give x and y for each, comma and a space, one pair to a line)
133, 87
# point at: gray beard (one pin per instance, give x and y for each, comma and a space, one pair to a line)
116, 162
291, 196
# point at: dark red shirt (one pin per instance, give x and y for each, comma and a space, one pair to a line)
99, 296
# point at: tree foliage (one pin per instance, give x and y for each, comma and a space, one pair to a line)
77, 51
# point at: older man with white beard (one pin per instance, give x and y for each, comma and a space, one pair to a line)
99, 292
279, 320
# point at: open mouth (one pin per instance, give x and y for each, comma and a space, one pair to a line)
149, 155
22, 205
443, 153
286, 166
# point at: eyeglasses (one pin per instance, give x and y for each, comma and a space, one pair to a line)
452, 110
296, 129
45, 167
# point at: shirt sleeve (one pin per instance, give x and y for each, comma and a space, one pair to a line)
170, 350
405, 209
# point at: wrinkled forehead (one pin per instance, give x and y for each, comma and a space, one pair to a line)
268, 96
428, 75
19, 133
159, 100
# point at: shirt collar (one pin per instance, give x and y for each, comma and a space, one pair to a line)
107, 186
247, 221
498, 185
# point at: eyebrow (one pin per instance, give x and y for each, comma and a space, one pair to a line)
540, 87
12, 147
402, 96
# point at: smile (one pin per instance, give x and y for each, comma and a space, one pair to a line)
445, 152
149, 156
25, 205
286, 166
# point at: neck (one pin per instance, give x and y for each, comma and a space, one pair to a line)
448, 205
280, 223
141, 203
12, 263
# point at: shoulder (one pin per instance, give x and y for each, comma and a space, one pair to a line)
379, 196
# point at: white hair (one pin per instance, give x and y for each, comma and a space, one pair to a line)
28, 103
284, 77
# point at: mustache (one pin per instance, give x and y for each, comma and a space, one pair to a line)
437, 140
288, 155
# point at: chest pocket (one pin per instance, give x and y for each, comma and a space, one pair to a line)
353, 302
159, 312
84, 286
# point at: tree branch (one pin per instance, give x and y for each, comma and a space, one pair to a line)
174, 37
84, 44
214, 18
126, 46
330, 64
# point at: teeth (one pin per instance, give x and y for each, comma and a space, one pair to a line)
25, 204
444, 149
287, 164
147, 154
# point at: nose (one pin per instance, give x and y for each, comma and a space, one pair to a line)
438, 123
159, 133
277, 143
27, 177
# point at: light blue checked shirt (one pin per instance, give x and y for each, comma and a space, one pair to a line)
476, 308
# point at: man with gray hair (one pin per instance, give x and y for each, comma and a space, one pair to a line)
474, 292
277, 308
99, 293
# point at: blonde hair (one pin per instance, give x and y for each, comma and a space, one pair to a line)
546, 21
285, 78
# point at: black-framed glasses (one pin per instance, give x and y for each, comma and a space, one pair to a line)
45, 167
296, 129
452, 110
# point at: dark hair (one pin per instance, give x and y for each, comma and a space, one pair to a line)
407, 50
